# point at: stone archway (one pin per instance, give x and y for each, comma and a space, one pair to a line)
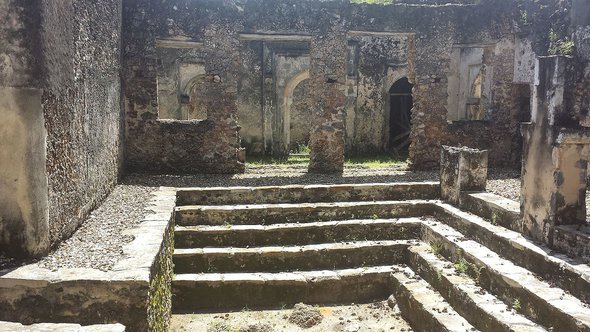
191, 99
289, 91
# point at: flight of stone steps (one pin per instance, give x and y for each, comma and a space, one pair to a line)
448, 270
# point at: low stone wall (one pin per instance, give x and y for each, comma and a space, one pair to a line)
136, 292
497, 209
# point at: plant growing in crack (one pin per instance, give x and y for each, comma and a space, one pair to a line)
462, 265
437, 247
494, 219
560, 46
516, 305
469, 269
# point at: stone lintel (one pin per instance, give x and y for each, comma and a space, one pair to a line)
274, 37
178, 43
379, 34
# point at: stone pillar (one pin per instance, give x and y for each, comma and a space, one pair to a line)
24, 213
221, 96
462, 169
328, 53
553, 167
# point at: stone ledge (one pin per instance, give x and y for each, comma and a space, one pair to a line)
63, 327
32, 294
308, 193
499, 210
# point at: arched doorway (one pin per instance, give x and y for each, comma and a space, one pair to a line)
400, 107
300, 118
297, 113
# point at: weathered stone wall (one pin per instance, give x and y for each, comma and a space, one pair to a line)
61, 116
210, 145
250, 98
24, 229
82, 107
381, 60
557, 140
422, 51
300, 117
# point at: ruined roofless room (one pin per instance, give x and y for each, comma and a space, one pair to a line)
294, 165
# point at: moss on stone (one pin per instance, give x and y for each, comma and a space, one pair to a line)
160, 295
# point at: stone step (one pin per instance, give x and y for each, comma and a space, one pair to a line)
536, 299
193, 292
308, 193
480, 308
424, 308
294, 258
569, 274
265, 214
296, 234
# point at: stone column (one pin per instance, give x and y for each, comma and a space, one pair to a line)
221, 97
462, 169
553, 167
328, 53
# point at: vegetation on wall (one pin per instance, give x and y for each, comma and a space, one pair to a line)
560, 46
160, 293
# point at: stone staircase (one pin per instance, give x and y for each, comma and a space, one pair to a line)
448, 270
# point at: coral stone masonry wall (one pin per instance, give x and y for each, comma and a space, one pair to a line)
82, 107
61, 134
201, 145
248, 47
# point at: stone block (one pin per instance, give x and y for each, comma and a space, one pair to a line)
462, 169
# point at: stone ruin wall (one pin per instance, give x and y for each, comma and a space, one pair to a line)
187, 146
62, 60
248, 94
82, 107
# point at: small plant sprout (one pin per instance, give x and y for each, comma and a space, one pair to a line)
462, 266
516, 305
437, 247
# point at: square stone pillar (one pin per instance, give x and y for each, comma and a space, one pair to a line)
328, 54
462, 169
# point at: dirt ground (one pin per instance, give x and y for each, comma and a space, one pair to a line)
375, 316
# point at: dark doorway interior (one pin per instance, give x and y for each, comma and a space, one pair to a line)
400, 107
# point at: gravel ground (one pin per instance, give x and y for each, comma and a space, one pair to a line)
376, 316
505, 183
98, 242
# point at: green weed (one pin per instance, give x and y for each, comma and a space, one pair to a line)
437, 247
516, 305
